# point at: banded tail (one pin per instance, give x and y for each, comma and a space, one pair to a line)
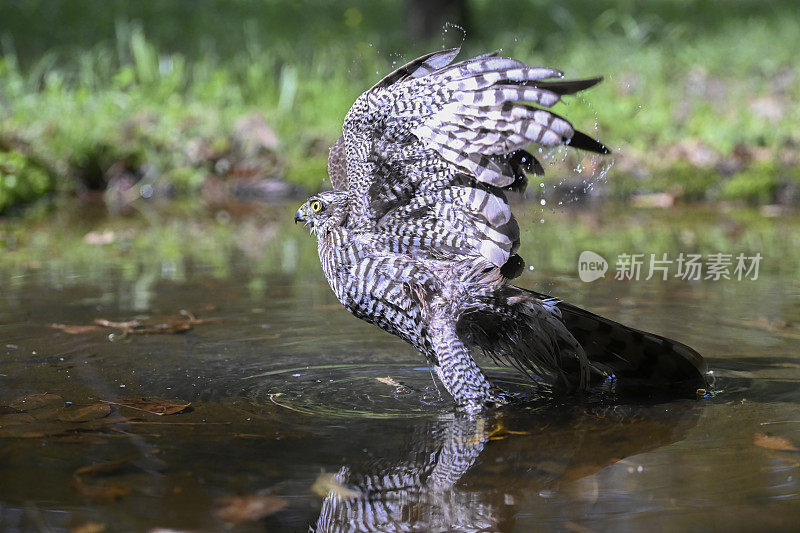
513, 328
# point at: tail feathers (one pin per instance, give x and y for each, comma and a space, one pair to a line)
638, 360
516, 330
570, 347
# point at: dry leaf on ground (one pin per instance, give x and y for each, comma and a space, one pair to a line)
96, 237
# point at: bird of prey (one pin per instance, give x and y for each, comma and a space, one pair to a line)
417, 236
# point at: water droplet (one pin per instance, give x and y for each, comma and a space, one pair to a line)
543, 201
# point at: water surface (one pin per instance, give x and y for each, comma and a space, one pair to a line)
291, 406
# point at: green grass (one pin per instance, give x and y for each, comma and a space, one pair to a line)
84, 85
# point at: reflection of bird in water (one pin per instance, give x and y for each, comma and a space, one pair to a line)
417, 236
464, 473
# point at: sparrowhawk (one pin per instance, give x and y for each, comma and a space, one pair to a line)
417, 236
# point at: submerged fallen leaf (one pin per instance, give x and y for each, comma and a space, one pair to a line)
248, 508
37, 401
329, 484
85, 414
773, 443
105, 467
155, 406
101, 491
43, 415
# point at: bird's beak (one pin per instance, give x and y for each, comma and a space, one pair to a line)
299, 215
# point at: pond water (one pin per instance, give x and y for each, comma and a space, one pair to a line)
300, 415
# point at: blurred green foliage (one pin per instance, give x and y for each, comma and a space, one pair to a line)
20, 179
145, 81
755, 185
73, 242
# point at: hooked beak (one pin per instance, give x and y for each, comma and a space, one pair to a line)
299, 216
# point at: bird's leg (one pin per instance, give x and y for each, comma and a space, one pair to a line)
456, 369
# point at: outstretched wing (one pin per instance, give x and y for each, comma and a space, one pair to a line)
427, 154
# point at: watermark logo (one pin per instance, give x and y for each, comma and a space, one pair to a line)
591, 266
685, 266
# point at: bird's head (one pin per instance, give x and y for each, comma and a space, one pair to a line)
321, 211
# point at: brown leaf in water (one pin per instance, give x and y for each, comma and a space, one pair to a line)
248, 508
37, 401
85, 414
389, 381
773, 443
105, 467
155, 406
44, 416
116, 325
72, 329
172, 324
102, 492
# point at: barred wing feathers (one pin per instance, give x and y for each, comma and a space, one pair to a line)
427, 154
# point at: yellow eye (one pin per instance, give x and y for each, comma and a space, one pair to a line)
316, 206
